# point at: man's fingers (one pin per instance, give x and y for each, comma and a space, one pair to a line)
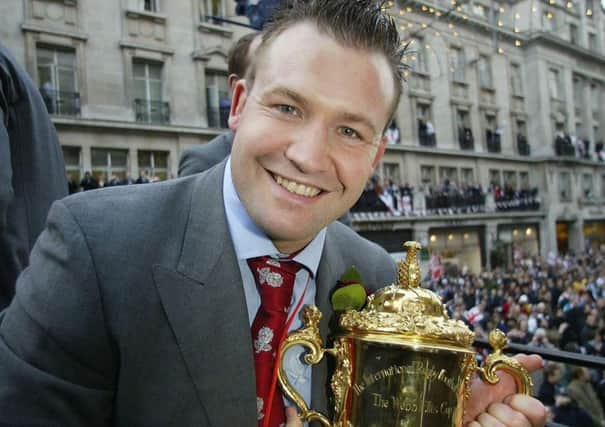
488, 420
531, 362
292, 418
532, 408
507, 415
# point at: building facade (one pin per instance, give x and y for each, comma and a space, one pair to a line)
497, 136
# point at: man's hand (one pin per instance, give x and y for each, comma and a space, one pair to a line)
499, 405
292, 418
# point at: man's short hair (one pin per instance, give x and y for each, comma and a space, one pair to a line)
238, 58
362, 24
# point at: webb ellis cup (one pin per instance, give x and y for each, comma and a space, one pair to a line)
401, 361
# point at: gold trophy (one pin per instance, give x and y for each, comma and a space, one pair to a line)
401, 361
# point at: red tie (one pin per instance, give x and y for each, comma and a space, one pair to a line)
275, 281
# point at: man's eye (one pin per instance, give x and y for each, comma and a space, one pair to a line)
286, 109
349, 132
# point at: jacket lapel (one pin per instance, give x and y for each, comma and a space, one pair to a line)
331, 266
205, 305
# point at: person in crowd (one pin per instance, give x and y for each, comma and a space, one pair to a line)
72, 184
143, 177
172, 308
89, 182
32, 170
581, 390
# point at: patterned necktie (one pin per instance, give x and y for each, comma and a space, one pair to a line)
275, 281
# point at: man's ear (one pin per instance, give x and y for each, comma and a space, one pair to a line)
382, 145
238, 101
232, 80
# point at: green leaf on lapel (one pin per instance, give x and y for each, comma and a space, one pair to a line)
349, 297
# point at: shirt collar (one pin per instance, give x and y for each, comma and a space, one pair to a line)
250, 241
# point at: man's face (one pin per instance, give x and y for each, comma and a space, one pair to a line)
308, 134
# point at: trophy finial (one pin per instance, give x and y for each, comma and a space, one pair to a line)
409, 273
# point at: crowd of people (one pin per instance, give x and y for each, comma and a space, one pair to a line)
90, 182
554, 302
449, 198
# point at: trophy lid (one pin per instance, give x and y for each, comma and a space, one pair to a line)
405, 311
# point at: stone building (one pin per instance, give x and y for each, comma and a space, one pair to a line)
505, 97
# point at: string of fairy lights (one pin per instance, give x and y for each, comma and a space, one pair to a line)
416, 19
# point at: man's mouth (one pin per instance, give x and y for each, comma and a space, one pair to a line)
297, 188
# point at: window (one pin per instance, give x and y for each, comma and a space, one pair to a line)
587, 188
149, 5
391, 173
578, 98
155, 163
515, 80
510, 179
57, 80
418, 56
463, 125
426, 131
218, 102
212, 8
427, 175
589, 8
595, 99
457, 64
72, 158
494, 178
468, 176
107, 163
592, 42
564, 186
573, 34
521, 135
448, 175
524, 180
485, 72
148, 92
492, 133
553, 83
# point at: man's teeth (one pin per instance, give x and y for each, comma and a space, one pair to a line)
296, 188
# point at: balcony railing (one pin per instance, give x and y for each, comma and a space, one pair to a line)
151, 111
465, 138
523, 146
564, 146
61, 103
218, 117
493, 141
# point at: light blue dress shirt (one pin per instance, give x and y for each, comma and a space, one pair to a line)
250, 241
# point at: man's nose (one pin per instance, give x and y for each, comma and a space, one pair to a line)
309, 148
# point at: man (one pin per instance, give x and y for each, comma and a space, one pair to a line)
201, 157
129, 320
32, 172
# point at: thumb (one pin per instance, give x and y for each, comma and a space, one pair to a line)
292, 418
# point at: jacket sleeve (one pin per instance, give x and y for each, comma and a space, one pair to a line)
6, 169
57, 363
192, 161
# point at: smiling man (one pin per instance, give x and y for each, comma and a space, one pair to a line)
174, 318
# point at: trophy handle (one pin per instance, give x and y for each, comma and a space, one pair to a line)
309, 337
499, 361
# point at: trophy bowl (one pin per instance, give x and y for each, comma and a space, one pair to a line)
400, 361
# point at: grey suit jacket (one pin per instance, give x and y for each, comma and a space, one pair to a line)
32, 173
202, 157
140, 320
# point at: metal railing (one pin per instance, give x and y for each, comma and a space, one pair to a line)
151, 111
60, 102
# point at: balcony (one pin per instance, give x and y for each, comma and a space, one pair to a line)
492, 139
218, 118
61, 103
151, 111
523, 146
426, 134
465, 138
564, 146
